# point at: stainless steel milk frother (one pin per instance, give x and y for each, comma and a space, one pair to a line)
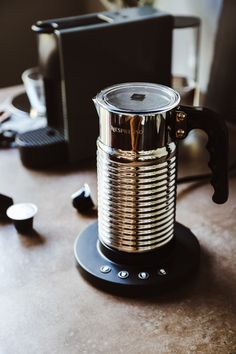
137, 237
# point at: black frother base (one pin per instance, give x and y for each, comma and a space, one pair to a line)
165, 271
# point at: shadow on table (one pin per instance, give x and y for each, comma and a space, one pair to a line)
213, 283
32, 239
29, 239
190, 188
212, 286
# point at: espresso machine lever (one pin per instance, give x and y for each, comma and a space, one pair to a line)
137, 247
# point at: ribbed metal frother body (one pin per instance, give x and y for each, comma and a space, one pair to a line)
136, 164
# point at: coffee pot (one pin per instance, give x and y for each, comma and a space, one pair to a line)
137, 247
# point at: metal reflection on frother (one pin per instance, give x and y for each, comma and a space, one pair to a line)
136, 246
136, 162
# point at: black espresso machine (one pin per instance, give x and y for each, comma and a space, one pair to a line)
78, 56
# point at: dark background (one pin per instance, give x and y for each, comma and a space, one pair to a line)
18, 50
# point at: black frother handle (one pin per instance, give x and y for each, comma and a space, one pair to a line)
217, 145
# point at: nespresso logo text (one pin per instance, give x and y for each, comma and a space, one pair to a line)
126, 131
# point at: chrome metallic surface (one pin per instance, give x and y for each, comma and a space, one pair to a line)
134, 116
181, 116
180, 133
136, 162
133, 133
136, 198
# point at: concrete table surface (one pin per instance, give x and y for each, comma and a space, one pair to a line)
47, 307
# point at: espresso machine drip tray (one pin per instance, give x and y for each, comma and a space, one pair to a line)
138, 274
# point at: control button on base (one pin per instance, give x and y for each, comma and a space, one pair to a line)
162, 271
143, 275
123, 274
105, 269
